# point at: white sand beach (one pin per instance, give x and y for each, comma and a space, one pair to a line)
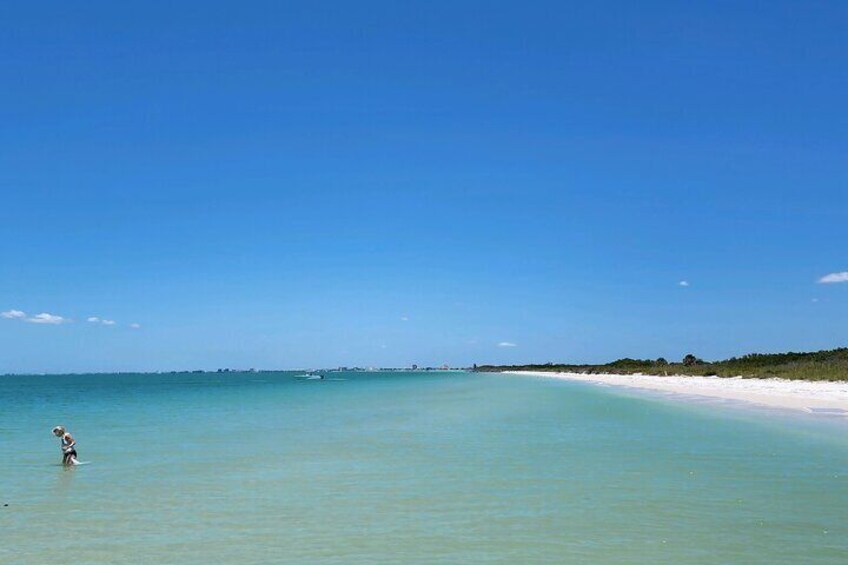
810, 396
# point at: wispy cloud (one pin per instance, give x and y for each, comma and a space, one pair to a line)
53, 319
404, 318
834, 278
683, 283
506, 344
13, 314
45, 318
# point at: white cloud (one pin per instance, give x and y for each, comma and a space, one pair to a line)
135, 326
45, 318
108, 322
404, 318
93, 319
834, 278
506, 344
13, 314
683, 283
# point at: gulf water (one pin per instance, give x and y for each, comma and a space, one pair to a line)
409, 468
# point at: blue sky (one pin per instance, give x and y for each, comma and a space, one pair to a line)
268, 184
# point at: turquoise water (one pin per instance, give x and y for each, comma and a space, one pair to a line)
409, 468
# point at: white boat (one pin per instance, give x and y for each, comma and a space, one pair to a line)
310, 377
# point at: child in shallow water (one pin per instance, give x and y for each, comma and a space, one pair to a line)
69, 452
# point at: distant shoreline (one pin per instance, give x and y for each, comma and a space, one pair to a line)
224, 372
814, 397
826, 365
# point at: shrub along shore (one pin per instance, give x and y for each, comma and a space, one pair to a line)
827, 365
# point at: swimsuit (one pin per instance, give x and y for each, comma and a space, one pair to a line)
68, 454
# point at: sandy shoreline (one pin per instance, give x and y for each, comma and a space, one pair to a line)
810, 396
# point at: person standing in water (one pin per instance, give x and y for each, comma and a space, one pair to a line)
69, 452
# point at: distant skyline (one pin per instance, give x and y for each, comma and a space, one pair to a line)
207, 184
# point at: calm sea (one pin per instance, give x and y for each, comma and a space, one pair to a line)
409, 468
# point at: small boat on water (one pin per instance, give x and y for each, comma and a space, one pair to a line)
310, 376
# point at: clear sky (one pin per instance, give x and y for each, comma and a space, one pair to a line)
272, 184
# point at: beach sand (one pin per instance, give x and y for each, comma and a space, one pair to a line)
818, 397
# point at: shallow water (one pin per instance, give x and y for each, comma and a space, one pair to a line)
410, 468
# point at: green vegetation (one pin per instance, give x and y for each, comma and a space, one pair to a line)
831, 365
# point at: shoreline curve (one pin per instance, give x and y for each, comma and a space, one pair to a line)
814, 397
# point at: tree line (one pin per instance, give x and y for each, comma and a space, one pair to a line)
829, 365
